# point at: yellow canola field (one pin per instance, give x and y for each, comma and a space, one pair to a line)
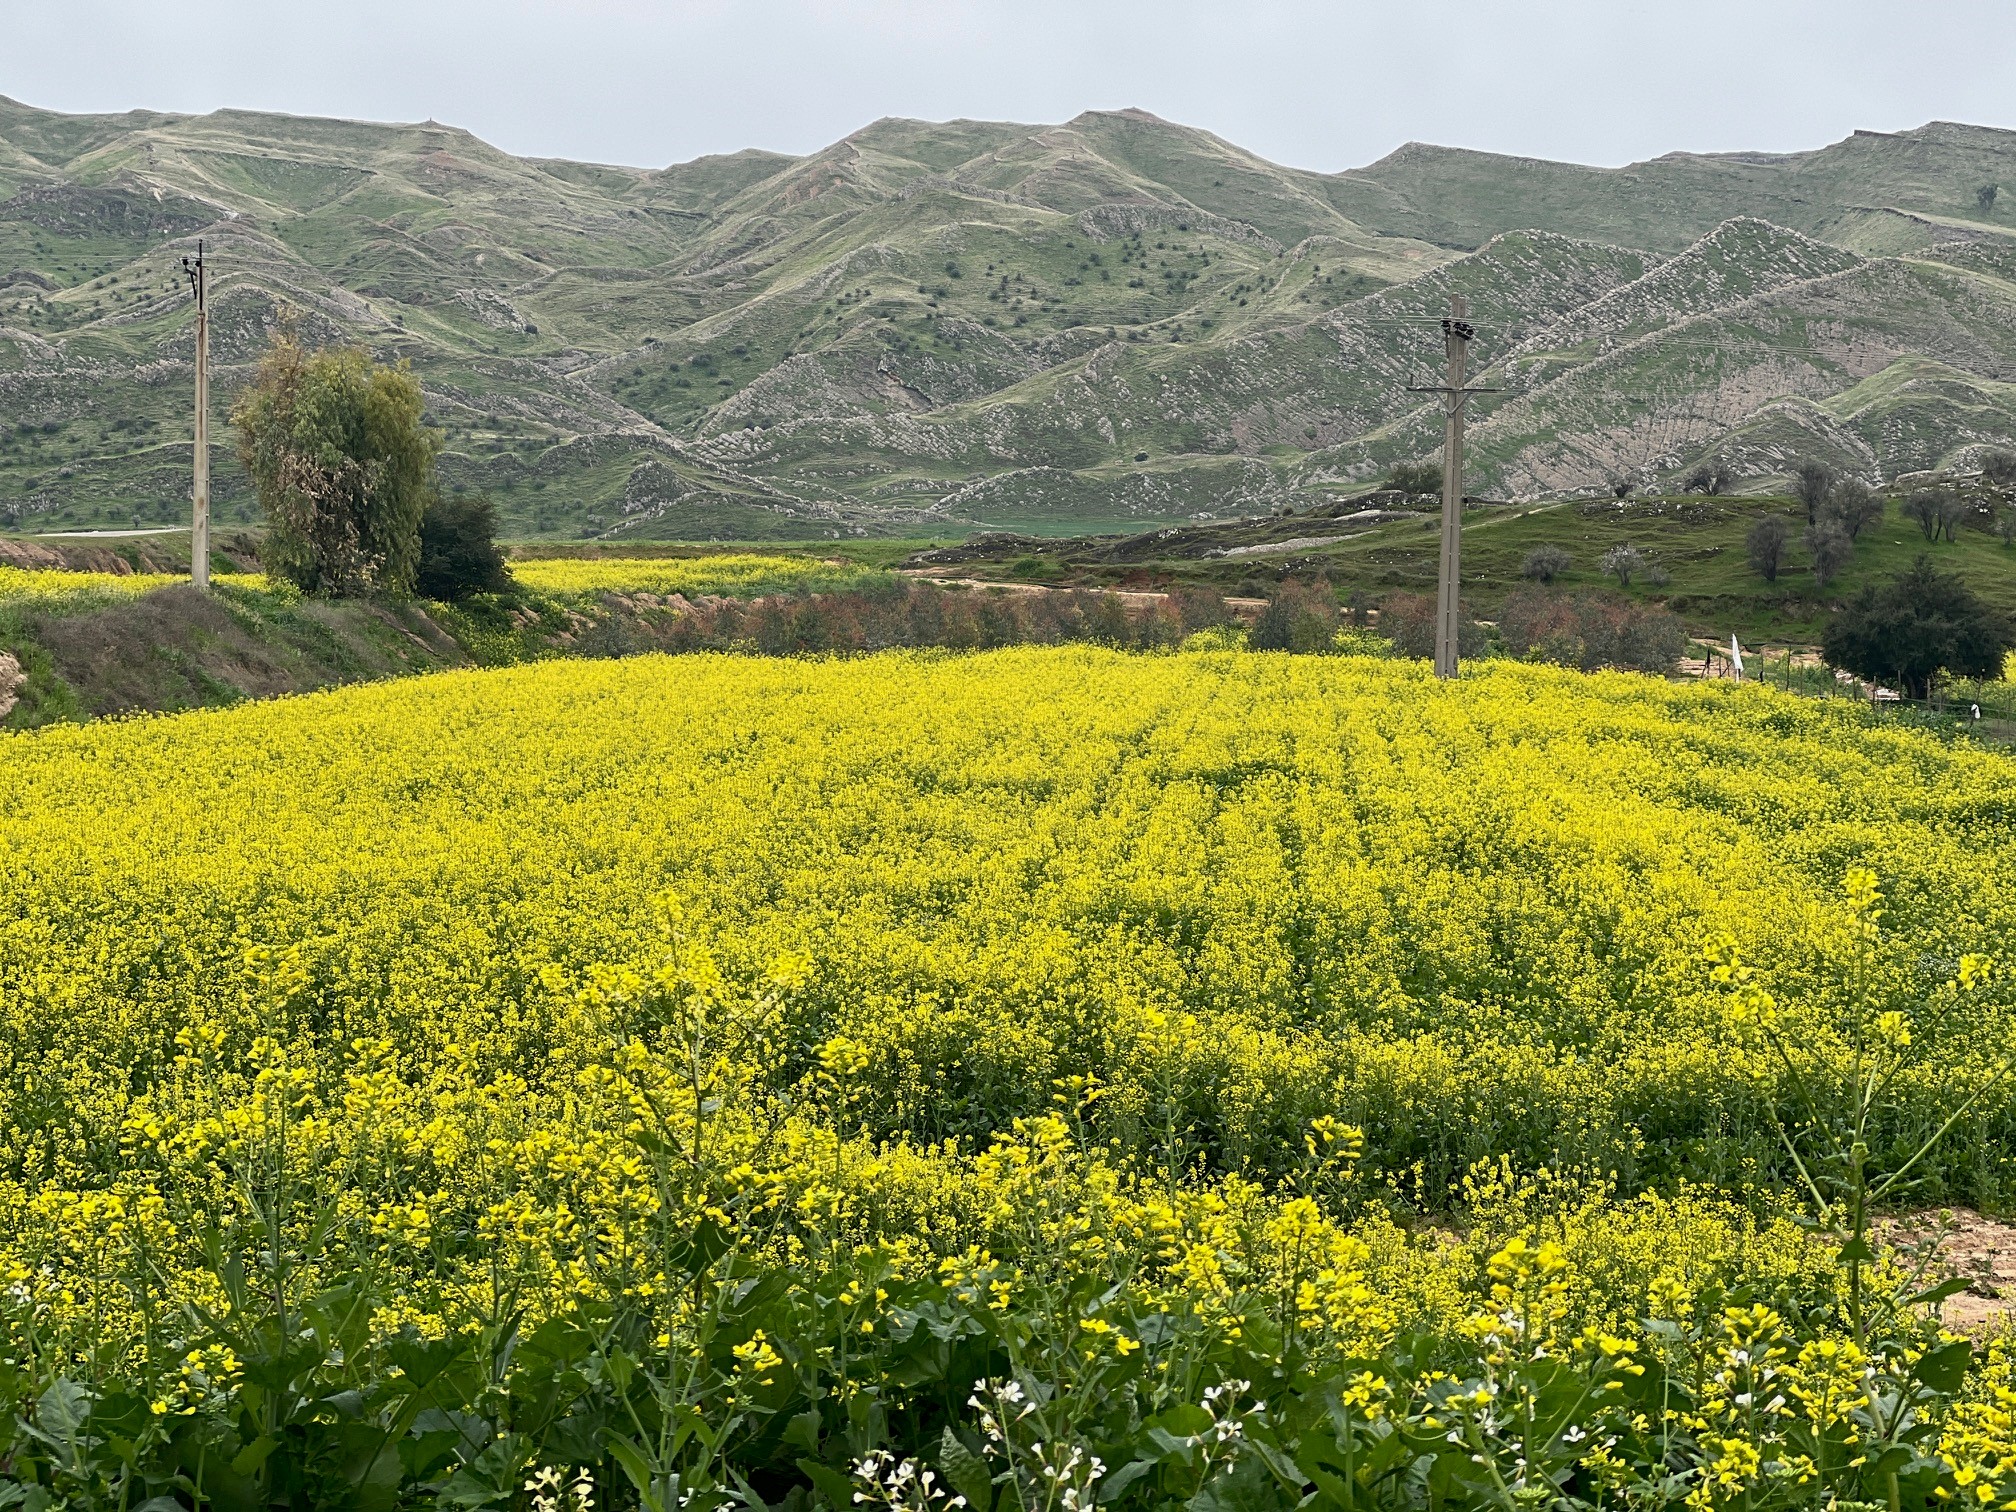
736, 574
1161, 914
32, 585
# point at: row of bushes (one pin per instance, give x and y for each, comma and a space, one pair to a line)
1579, 630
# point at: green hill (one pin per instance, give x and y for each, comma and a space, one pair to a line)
926, 326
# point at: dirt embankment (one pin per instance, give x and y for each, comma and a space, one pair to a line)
122, 555
181, 649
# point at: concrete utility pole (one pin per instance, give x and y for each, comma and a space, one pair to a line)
1456, 335
199, 522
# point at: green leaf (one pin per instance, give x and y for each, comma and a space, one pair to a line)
968, 1473
1114, 1484
1246, 1487
253, 1455
637, 1468
1945, 1368
62, 1412
1952, 1286
835, 1487
1284, 1467
803, 1431
1857, 1249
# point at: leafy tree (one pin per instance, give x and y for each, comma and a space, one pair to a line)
1622, 562
1855, 505
458, 549
1952, 514
1998, 467
1712, 478
342, 464
1543, 564
1620, 488
1920, 625
1416, 478
1274, 630
1985, 197
1829, 547
1766, 545
1812, 484
1926, 506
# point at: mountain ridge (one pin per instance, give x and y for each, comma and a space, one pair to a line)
1105, 321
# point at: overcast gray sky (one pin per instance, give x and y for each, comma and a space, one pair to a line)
1318, 85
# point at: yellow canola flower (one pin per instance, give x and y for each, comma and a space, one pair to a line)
1045, 960
46, 586
728, 574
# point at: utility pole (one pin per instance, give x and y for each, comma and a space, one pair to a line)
1456, 336
199, 521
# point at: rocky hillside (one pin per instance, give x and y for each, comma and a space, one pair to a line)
1113, 321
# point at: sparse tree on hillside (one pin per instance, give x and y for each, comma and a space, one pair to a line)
1416, 478
1998, 468
1829, 548
1620, 488
343, 467
1908, 632
1766, 545
1855, 505
1985, 198
1543, 564
1953, 512
1712, 478
1812, 483
1622, 563
1926, 505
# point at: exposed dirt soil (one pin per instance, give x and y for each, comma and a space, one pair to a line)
180, 649
1977, 1248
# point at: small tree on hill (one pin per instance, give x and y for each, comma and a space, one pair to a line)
1998, 468
1712, 478
1812, 483
1855, 505
1766, 545
342, 464
1543, 564
1952, 514
1622, 563
1416, 478
1984, 197
1917, 627
1926, 505
1828, 548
